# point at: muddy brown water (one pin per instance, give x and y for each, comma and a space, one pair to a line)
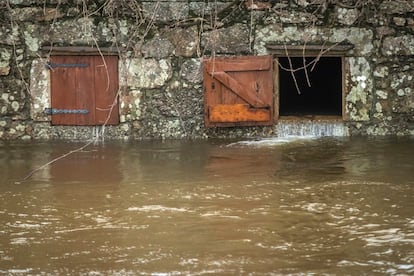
269, 207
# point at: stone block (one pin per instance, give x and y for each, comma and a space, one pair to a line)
165, 10
232, 40
208, 8
397, 7
5, 57
144, 73
346, 16
36, 14
185, 41
9, 34
157, 47
191, 70
39, 90
360, 89
399, 45
360, 38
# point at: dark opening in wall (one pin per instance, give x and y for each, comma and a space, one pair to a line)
320, 87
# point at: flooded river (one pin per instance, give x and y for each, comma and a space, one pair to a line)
270, 207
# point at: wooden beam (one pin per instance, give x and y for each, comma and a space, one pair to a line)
239, 64
81, 50
230, 113
309, 50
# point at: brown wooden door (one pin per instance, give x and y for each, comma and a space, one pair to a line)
238, 91
80, 83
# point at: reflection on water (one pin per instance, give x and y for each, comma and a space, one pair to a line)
284, 206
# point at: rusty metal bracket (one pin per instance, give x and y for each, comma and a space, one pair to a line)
53, 111
51, 65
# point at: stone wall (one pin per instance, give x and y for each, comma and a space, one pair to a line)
161, 45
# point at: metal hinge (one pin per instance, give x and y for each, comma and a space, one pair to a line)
53, 111
51, 65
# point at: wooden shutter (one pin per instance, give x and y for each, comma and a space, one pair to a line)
238, 91
106, 90
80, 83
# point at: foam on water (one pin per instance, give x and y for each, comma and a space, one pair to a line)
295, 130
158, 208
272, 141
312, 128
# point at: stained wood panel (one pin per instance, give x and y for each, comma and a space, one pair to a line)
106, 87
85, 91
228, 113
77, 87
238, 91
63, 90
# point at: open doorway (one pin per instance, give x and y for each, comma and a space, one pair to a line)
314, 92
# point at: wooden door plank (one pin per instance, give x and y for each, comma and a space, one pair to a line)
238, 64
224, 113
106, 89
63, 87
209, 87
85, 87
242, 91
213, 89
213, 92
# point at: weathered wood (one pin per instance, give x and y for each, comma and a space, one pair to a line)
106, 89
93, 88
242, 91
81, 50
238, 64
85, 90
230, 113
310, 50
63, 91
241, 85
